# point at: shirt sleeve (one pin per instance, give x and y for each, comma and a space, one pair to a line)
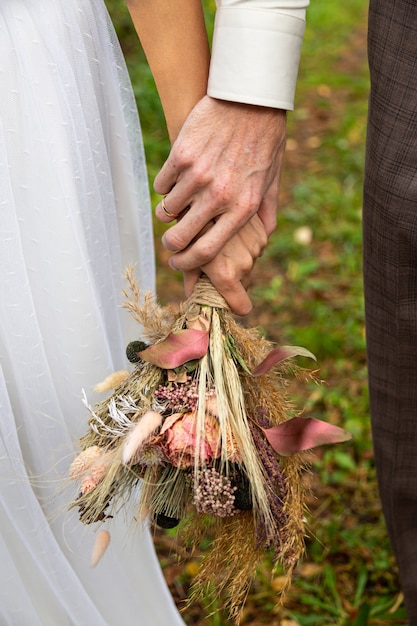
256, 51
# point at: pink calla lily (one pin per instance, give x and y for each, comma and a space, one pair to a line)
280, 354
178, 348
303, 433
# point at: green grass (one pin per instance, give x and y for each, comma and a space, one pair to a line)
311, 295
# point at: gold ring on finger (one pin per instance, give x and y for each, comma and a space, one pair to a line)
165, 210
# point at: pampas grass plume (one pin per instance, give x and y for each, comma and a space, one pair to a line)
142, 430
112, 381
100, 546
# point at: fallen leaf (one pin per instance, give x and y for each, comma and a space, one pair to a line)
303, 235
278, 583
308, 570
192, 568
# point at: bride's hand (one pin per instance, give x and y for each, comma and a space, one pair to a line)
230, 270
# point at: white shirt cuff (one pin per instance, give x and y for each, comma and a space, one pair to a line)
255, 56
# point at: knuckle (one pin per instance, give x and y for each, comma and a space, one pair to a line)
229, 278
246, 264
221, 193
263, 242
175, 240
201, 173
205, 250
184, 156
250, 204
197, 165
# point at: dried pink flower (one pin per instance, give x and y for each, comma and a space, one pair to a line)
181, 440
179, 396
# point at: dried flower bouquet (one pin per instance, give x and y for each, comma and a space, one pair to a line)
202, 424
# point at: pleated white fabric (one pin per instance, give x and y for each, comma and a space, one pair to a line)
74, 211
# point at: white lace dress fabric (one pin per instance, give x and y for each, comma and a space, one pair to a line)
74, 211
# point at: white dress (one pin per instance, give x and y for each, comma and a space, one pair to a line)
74, 211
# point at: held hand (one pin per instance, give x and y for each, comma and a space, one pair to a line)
230, 270
225, 167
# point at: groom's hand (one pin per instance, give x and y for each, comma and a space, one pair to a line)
223, 168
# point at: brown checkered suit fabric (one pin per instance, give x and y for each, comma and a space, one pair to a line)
390, 272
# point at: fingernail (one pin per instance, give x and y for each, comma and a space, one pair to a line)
167, 246
172, 264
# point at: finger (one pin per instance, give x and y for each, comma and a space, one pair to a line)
215, 240
163, 213
235, 296
230, 273
179, 198
268, 208
201, 248
190, 280
166, 178
253, 237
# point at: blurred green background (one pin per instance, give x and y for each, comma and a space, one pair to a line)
307, 290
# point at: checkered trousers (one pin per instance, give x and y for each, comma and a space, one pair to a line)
390, 273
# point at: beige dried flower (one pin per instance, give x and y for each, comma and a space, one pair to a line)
100, 546
92, 480
140, 433
112, 381
84, 462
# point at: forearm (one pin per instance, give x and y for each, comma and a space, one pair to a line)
174, 39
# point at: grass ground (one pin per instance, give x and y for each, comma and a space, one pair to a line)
307, 290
